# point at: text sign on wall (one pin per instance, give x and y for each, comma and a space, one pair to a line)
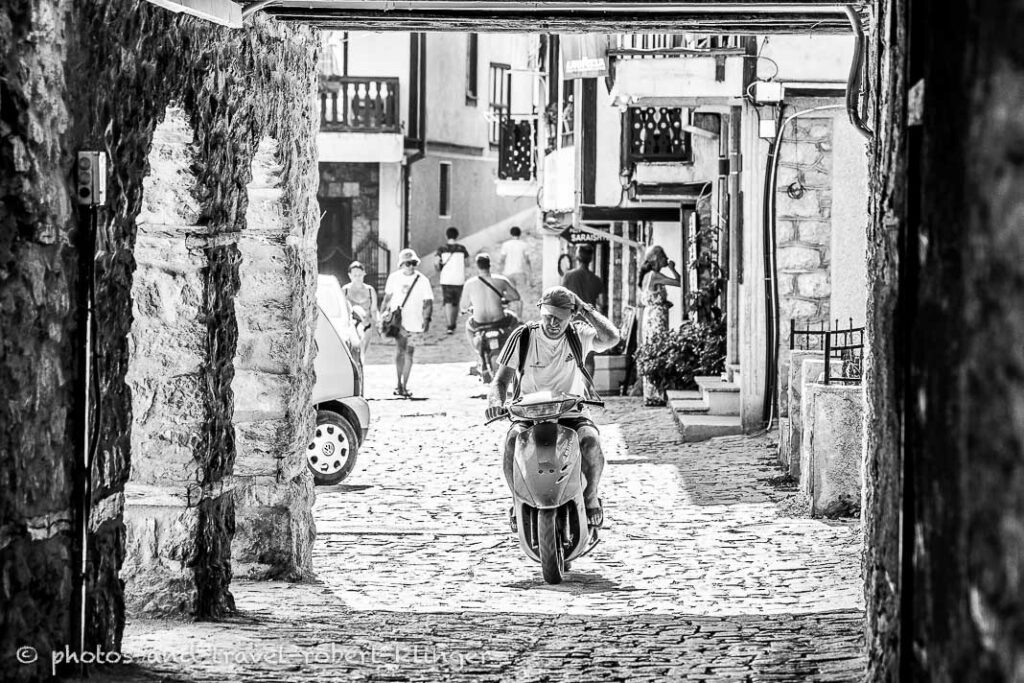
584, 55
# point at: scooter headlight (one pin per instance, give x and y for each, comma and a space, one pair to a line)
542, 411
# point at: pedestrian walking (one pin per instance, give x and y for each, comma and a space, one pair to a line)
656, 304
362, 298
406, 312
515, 264
582, 281
450, 263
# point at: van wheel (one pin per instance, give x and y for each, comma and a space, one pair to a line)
331, 453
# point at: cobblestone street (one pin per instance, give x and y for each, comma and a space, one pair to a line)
707, 571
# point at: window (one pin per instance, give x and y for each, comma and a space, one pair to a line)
444, 188
500, 85
656, 134
471, 71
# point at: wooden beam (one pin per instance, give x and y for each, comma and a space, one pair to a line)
223, 12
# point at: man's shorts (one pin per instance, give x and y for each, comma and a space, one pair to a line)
451, 294
412, 339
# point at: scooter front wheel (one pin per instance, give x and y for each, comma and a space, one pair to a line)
552, 554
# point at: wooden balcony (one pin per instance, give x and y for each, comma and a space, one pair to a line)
356, 104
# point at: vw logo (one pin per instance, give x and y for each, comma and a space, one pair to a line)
328, 449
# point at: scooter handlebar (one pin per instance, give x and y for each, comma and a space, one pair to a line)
497, 417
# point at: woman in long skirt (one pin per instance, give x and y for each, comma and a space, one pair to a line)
656, 304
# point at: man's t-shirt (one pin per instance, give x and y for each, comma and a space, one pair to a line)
453, 264
412, 313
514, 252
550, 365
584, 284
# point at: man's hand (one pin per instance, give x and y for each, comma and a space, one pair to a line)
494, 411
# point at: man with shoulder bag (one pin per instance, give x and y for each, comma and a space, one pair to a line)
407, 308
489, 323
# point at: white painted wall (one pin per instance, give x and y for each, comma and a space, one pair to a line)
849, 223
391, 195
559, 192
360, 147
683, 78
806, 58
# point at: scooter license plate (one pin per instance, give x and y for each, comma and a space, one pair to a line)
492, 342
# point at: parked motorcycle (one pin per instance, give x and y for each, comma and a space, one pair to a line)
487, 342
547, 483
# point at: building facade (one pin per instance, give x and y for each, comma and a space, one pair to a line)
410, 128
667, 139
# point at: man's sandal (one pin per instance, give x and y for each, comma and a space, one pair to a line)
595, 516
513, 524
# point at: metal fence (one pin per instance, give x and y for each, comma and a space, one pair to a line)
842, 348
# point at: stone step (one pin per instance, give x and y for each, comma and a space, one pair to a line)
683, 395
698, 427
721, 397
688, 405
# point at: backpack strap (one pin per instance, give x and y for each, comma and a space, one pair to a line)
576, 347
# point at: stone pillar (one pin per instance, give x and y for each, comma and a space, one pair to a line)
803, 232
273, 417
831, 454
790, 441
178, 519
810, 371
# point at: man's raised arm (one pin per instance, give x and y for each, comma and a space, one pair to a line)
607, 333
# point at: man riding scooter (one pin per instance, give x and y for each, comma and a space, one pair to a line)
489, 324
550, 356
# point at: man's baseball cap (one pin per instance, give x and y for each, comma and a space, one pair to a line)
557, 301
407, 255
483, 260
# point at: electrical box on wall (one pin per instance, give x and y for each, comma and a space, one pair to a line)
767, 92
91, 177
766, 129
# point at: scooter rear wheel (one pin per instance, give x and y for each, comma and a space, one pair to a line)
552, 555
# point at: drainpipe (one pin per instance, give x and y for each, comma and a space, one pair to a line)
418, 96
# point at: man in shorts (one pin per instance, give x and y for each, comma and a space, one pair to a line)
515, 264
409, 289
450, 262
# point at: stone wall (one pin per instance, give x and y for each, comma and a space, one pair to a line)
39, 436
100, 75
803, 230
883, 456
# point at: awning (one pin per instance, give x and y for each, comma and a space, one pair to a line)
584, 55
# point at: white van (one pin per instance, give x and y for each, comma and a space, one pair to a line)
342, 414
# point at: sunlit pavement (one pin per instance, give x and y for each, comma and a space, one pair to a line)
706, 569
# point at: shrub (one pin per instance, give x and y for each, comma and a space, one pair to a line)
671, 358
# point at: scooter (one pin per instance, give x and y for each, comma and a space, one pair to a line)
547, 483
487, 343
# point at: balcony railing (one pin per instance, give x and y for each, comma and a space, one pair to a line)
516, 143
656, 134
354, 104
673, 44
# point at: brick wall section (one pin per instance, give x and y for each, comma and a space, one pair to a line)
803, 232
273, 416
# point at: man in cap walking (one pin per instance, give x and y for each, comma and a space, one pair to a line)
410, 290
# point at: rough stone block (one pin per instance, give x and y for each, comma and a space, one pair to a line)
274, 540
832, 449
816, 232
805, 370
785, 231
816, 204
166, 457
159, 350
276, 354
798, 259
800, 309
814, 285
260, 446
160, 549
260, 395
